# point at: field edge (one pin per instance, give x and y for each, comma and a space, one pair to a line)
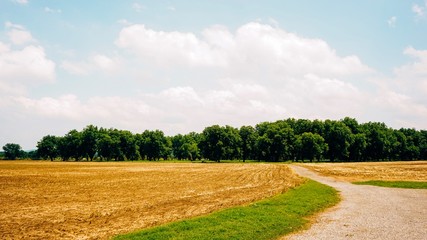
266, 219
394, 184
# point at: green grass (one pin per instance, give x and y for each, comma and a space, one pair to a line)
266, 219
395, 184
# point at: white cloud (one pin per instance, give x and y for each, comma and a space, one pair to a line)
97, 62
411, 78
69, 106
19, 37
105, 63
416, 68
120, 112
264, 47
17, 34
247, 91
398, 109
254, 46
22, 68
171, 8
392, 21
325, 97
268, 74
183, 109
22, 64
21, 2
273, 22
187, 81
138, 7
418, 10
167, 48
238, 103
400, 100
76, 68
64, 106
4, 48
29, 64
12, 25
219, 37
183, 96
11, 89
124, 22
50, 10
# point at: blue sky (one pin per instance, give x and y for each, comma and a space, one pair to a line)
180, 66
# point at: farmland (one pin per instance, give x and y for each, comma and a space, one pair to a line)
365, 171
71, 200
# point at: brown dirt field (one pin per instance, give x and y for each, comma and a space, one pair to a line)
386, 171
51, 200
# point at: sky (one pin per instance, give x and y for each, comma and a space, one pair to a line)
180, 66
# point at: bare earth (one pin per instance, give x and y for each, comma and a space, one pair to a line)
84, 200
369, 212
364, 171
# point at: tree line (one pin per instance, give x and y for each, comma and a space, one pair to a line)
12, 151
289, 139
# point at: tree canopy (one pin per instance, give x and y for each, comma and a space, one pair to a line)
13, 151
289, 139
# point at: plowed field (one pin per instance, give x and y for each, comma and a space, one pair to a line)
364, 171
51, 200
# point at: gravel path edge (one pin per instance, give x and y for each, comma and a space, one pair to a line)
368, 212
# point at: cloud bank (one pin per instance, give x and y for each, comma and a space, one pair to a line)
255, 73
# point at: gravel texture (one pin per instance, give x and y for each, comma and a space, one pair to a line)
368, 212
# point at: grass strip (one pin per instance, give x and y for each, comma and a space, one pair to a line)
266, 219
395, 184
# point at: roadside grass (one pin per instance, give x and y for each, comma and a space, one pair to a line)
395, 184
266, 219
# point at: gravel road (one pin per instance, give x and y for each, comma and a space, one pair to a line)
369, 212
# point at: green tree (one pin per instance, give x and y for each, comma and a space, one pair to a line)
70, 146
338, 137
400, 145
311, 146
352, 124
12, 151
219, 143
47, 147
378, 143
89, 142
262, 146
107, 144
276, 141
232, 142
153, 145
270, 141
33, 155
249, 136
177, 150
357, 147
302, 126
410, 150
185, 146
318, 126
211, 144
128, 146
423, 145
